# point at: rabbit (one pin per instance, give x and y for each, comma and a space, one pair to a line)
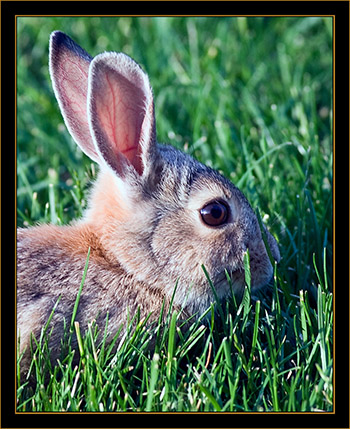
155, 215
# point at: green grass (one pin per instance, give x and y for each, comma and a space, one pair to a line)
251, 97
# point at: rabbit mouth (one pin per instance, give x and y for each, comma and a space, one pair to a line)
229, 281
235, 280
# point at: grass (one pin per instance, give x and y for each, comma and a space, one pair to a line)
251, 97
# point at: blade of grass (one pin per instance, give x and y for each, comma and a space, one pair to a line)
153, 381
53, 213
321, 328
255, 333
75, 309
219, 306
211, 398
264, 237
230, 372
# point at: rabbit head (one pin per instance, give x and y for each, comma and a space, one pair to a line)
158, 212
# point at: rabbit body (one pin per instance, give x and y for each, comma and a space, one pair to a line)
147, 219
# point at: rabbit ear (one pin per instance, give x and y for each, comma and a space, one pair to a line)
69, 69
121, 113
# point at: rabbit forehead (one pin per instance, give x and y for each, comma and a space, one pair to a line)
210, 188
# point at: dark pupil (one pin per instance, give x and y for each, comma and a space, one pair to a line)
214, 214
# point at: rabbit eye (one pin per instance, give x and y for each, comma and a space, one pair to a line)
215, 213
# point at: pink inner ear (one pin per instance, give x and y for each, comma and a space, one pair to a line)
120, 110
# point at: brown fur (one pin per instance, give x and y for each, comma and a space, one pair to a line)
53, 265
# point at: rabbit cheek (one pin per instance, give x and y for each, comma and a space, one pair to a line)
176, 251
183, 252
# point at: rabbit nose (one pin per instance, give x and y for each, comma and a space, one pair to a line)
273, 247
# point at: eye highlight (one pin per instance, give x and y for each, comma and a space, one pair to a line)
215, 213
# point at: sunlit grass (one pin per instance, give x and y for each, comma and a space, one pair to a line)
252, 98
